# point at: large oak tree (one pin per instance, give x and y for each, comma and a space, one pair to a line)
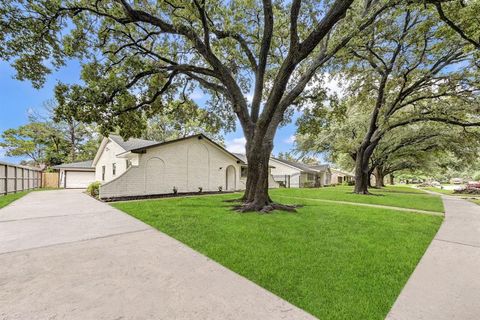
404, 70
253, 59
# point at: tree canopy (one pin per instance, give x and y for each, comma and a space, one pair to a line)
253, 59
399, 72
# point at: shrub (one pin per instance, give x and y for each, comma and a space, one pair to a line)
467, 191
93, 189
220, 188
200, 189
476, 176
175, 191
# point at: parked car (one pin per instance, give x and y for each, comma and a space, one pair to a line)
456, 181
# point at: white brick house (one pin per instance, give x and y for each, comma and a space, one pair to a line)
141, 168
299, 175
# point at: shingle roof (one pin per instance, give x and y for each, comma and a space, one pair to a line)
343, 172
298, 165
243, 157
76, 165
131, 143
240, 156
320, 167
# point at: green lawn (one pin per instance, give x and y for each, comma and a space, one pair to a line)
9, 198
476, 201
335, 261
396, 196
434, 189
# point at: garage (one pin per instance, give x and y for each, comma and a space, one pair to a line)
78, 179
77, 175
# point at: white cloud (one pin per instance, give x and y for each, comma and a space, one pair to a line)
329, 82
333, 85
236, 145
290, 140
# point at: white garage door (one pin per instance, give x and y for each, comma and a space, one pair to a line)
79, 179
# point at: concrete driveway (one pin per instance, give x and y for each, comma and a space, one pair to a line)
64, 255
446, 283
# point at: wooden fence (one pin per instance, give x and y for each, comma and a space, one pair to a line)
15, 178
50, 180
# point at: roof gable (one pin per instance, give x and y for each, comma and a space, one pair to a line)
198, 136
132, 143
76, 165
297, 165
139, 145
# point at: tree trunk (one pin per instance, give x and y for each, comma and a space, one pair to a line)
73, 153
379, 177
256, 197
362, 174
362, 170
392, 179
256, 192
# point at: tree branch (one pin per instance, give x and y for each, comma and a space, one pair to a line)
453, 26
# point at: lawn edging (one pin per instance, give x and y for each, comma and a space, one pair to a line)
435, 213
7, 199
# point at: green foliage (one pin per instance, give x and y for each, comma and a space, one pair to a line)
139, 57
408, 91
287, 155
93, 189
461, 19
51, 139
476, 176
179, 119
36, 140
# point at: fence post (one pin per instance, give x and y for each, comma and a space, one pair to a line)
6, 179
15, 184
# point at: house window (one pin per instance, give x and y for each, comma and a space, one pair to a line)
114, 168
103, 173
310, 177
243, 172
129, 163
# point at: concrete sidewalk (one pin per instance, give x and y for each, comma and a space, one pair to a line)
446, 283
64, 255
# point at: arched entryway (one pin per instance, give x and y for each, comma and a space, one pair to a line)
231, 178
154, 176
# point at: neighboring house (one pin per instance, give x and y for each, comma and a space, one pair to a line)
244, 170
142, 168
339, 176
293, 174
75, 175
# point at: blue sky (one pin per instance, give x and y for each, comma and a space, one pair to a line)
18, 98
